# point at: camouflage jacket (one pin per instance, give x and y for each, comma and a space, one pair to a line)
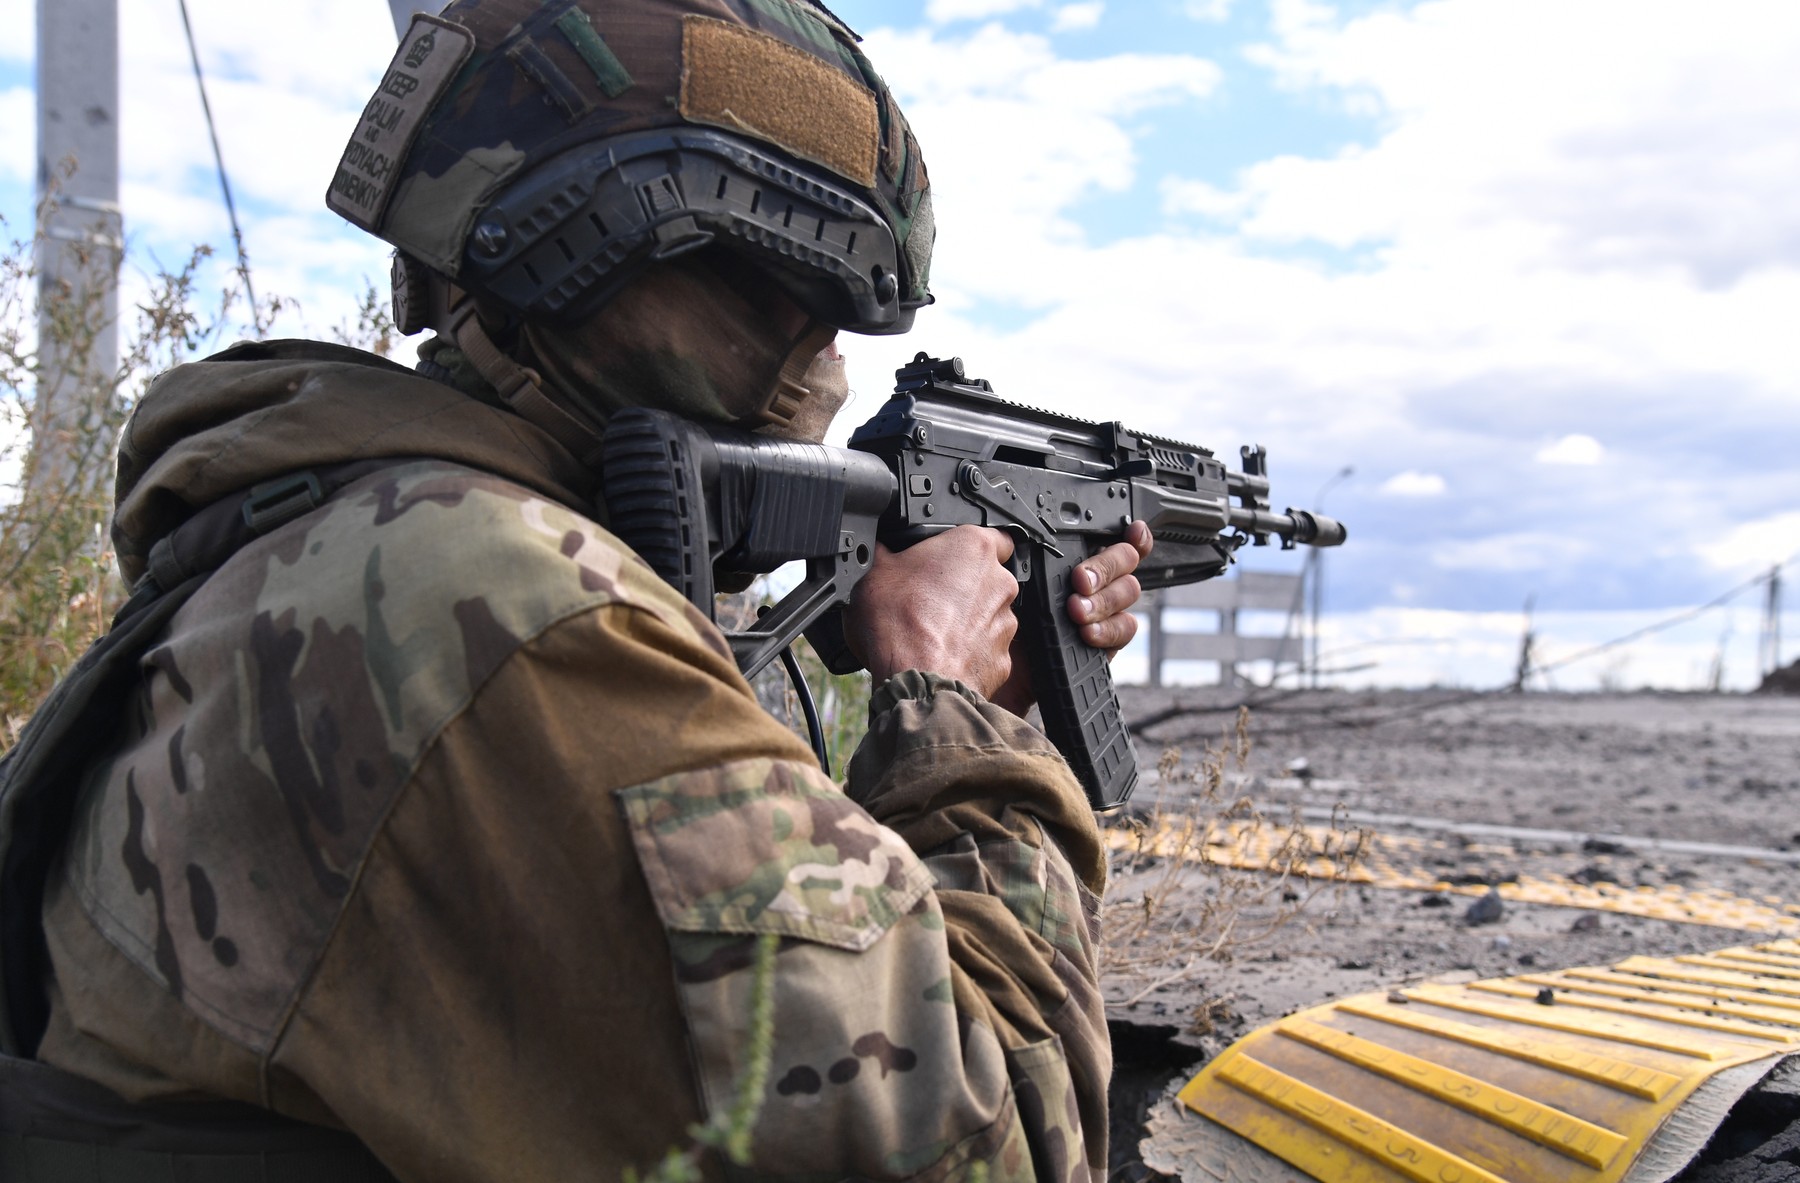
440, 818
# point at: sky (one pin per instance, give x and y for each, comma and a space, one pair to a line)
1530, 268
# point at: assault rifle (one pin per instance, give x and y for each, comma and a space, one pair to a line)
709, 506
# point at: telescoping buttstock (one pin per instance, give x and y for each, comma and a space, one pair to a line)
707, 506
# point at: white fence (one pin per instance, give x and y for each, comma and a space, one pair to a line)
1250, 591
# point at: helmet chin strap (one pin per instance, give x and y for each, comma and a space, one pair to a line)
790, 392
520, 387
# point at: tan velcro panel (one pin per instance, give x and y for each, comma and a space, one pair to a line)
748, 81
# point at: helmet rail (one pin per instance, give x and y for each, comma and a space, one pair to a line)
568, 236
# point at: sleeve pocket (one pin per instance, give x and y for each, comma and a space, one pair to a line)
768, 846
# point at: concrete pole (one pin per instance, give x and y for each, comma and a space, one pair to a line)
1153, 607
1769, 656
1228, 666
1315, 571
1775, 619
79, 251
1313, 575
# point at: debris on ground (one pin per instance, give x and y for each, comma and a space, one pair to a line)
1487, 910
1785, 680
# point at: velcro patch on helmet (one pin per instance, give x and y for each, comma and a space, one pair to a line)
893, 146
608, 70
751, 82
428, 59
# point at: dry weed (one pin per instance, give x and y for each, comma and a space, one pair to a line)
1178, 904
64, 396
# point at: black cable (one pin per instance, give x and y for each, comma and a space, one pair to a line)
1679, 618
237, 234
810, 708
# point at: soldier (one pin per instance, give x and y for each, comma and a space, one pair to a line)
439, 819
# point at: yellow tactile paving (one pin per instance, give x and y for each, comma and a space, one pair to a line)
1661, 1008
1695, 969
1627, 1077
1772, 960
1543, 1124
1484, 1082
1725, 993
1645, 990
1393, 861
1739, 964
1408, 1157
1568, 1021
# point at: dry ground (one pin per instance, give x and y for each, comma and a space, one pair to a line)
1603, 787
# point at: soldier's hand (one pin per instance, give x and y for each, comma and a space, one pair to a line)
943, 606
1105, 592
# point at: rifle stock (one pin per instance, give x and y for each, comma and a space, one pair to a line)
701, 503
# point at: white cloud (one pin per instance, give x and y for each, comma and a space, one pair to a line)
1511, 552
284, 107
1414, 484
1468, 330
1671, 152
1756, 544
1572, 449
1198, 197
284, 104
1014, 136
1208, 10
18, 34
943, 12
18, 148
1075, 17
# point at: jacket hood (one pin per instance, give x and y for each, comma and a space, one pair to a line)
260, 410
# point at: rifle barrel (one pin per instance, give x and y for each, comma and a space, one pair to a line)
1314, 529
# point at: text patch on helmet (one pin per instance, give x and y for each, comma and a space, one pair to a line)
430, 54
750, 82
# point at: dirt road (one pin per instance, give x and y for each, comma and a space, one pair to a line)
1707, 768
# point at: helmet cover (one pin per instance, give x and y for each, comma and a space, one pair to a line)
542, 152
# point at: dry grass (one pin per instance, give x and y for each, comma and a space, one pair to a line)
62, 405
1176, 906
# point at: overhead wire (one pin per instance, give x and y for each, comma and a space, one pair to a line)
1333, 715
237, 233
1681, 617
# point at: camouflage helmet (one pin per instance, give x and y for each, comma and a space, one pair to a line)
541, 153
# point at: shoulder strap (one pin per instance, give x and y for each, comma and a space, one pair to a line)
40, 776
56, 1127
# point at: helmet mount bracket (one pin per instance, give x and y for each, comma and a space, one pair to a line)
577, 228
